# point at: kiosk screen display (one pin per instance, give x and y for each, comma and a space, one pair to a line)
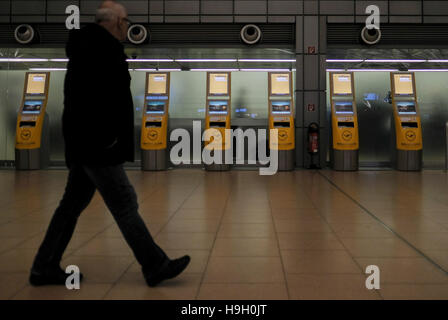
406, 107
343, 107
403, 84
281, 107
342, 84
36, 83
217, 107
157, 107
32, 107
218, 84
157, 83
280, 84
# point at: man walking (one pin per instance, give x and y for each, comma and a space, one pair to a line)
98, 129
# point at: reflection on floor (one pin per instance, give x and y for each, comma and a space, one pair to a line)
295, 235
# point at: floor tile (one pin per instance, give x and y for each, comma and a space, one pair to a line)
245, 247
244, 270
243, 291
318, 261
329, 287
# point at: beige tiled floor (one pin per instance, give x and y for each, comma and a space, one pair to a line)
295, 235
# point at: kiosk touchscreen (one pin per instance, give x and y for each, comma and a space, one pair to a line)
217, 115
344, 122
154, 130
32, 136
408, 131
281, 118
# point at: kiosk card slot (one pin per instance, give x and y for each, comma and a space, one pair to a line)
153, 124
27, 124
346, 124
282, 125
409, 124
218, 124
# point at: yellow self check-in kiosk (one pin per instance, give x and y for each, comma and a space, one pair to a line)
32, 130
281, 118
344, 122
217, 116
155, 121
408, 129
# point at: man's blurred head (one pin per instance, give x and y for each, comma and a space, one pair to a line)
114, 18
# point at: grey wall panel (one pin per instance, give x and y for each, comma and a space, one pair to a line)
281, 19
156, 7
341, 19
323, 119
299, 72
217, 7
87, 18
184, 7
310, 7
299, 34
285, 7
311, 33
435, 7
23, 7
137, 7
322, 71
155, 19
56, 19
58, 6
322, 34
3, 110
250, 19
250, 7
405, 8
217, 19
182, 19
298, 101
405, 19
299, 151
36, 19
5, 19
337, 7
311, 98
89, 6
311, 76
5, 7
139, 19
434, 19
362, 5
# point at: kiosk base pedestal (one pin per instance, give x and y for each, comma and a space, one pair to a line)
286, 160
31, 159
345, 160
154, 160
409, 160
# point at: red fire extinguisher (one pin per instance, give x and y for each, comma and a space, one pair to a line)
313, 143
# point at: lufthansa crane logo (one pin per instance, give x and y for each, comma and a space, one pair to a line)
152, 135
25, 134
282, 135
410, 135
346, 135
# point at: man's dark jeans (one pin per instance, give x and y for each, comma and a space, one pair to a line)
119, 196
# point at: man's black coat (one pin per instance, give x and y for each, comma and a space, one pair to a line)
98, 117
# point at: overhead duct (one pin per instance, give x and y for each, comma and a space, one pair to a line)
251, 34
138, 34
370, 36
25, 34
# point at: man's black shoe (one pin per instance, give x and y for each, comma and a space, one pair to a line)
55, 276
170, 269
